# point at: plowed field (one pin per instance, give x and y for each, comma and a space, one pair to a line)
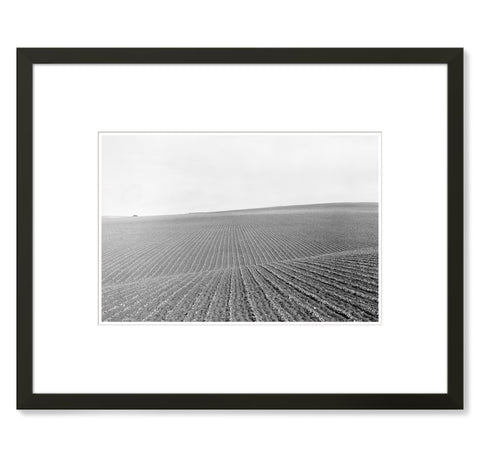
300, 263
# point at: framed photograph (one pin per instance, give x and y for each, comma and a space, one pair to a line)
240, 229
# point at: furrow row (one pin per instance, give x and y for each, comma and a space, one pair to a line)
312, 290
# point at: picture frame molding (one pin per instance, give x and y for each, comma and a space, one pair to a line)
28, 57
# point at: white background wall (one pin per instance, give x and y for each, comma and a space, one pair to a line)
243, 438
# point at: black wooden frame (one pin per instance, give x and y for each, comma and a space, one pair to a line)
26, 58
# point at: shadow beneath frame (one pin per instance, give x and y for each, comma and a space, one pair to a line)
466, 225
243, 413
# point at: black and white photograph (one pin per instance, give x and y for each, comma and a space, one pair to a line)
239, 227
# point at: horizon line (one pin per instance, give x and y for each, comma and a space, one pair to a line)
236, 210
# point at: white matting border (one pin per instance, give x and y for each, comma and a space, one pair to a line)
406, 354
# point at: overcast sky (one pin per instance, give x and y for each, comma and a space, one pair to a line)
168, 173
